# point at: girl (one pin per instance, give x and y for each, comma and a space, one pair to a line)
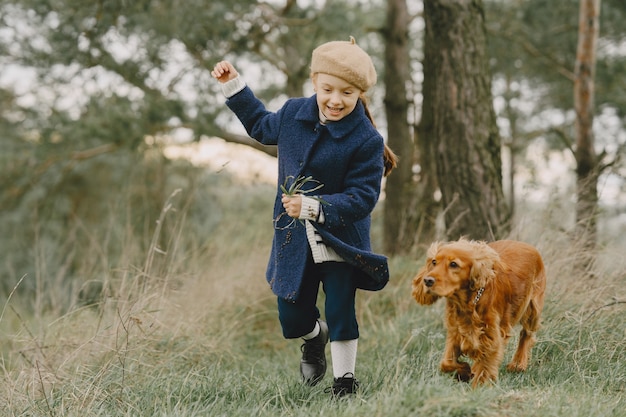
331, 160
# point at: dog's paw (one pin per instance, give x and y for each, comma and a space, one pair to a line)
516, 367
463, 377
464, 373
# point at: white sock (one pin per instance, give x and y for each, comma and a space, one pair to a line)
343, 354
314, 332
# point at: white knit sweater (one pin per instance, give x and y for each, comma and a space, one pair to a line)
311, 210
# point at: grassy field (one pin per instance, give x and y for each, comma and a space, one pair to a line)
199, 336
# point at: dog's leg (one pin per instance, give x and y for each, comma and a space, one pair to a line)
484, 372
485, 369
530, 320
489, 357
519, 363
450, 362
530, 324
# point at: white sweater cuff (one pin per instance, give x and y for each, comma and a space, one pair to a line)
232, 87
310, 209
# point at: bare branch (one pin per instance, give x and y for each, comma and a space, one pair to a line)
560, 133
535, 52
93, 152
243, 140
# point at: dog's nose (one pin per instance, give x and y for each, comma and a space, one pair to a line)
429, 281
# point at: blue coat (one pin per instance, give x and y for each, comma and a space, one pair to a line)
347, 158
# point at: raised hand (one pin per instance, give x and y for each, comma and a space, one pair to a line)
224, 72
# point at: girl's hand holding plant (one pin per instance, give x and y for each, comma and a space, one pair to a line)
291, 198
292, 205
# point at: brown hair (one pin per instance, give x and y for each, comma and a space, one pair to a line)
390, 159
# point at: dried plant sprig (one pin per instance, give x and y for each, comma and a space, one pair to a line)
296, 187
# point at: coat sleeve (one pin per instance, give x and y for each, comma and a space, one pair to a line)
260, 123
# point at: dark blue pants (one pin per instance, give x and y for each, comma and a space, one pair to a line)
338, 283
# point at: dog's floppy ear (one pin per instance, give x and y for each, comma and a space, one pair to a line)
483, 262
419, 289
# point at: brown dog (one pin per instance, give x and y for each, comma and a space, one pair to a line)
489, 288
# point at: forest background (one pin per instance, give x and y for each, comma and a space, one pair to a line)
132, 282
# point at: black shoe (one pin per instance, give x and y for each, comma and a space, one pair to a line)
313, 363
344, 385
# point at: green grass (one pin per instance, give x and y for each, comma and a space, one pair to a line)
203, 339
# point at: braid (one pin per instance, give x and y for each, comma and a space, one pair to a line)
390, 159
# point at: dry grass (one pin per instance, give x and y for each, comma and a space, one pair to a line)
189, 328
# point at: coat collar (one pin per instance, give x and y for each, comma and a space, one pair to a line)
309, 112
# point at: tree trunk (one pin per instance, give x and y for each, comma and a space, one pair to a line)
425, 208
398, 237
464, 126
587, 169
511, 144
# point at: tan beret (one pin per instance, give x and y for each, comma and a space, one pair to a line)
346, 60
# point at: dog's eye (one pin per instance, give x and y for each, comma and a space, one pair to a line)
454, 265
433, 262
